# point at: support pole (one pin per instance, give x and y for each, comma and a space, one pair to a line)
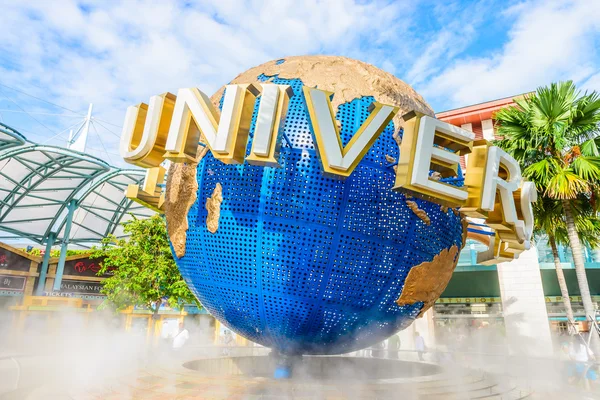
44, 271
63, 248
524, 306
284, 364
473, 254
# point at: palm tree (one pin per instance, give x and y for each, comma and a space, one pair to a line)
547, 217
550, 222
553, 134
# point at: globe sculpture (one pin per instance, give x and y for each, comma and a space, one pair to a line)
301, 262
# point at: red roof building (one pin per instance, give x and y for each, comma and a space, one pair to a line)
477, 118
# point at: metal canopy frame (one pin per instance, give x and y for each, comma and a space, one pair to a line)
39, 182
10, 138
102, 207
54, 195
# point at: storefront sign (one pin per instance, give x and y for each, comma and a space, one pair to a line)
471, 300
58, 294
574, 299
80, 287
13, 262
9, 282
468, 300
85, 267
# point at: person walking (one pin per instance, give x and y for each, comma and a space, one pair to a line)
378, 350
419, 346
226, 343
181, 337
581, 354
393, 346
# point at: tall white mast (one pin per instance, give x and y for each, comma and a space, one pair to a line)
78, 142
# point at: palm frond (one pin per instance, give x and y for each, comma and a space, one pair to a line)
542, 171
586, 113
588, 168
590, 147
550, 220
566, 185
552, 106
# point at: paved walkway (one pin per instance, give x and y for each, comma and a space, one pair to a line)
156, 377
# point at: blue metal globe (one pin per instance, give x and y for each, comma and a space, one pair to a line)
307, 264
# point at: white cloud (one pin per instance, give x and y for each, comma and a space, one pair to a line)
550, 40
438, 48
593, 82
115, 54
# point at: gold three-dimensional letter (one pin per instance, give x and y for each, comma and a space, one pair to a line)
428, 143
338, 160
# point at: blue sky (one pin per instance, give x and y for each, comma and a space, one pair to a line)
115, 54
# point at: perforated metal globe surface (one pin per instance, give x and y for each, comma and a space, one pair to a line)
304, 263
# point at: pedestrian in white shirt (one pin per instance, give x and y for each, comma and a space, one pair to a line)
181, 338
419, 345
581, 354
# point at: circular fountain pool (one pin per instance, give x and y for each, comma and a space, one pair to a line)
318, 368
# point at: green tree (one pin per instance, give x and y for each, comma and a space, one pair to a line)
144, 270
552, 133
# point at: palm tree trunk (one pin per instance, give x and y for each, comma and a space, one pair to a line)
584, 288
575, 245
563, 284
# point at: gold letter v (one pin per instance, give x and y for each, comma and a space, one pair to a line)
336, 159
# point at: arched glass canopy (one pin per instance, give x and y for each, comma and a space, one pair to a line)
40, 184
